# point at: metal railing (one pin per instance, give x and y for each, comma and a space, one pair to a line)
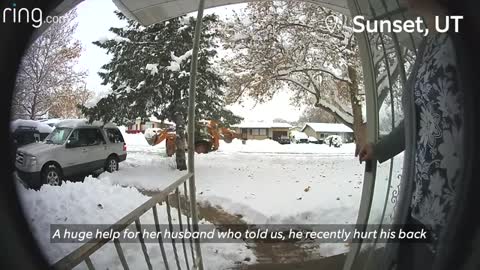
83, 254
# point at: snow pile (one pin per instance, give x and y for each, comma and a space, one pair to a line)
100, 202
144, 172
150, 132
91, 202
41, 127
138, 143
137, 139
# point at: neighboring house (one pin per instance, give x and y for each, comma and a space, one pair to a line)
140, 126
262, 130
322, 130
295, 128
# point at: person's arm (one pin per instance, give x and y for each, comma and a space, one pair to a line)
390, 145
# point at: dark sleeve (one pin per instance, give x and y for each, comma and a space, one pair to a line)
390, 145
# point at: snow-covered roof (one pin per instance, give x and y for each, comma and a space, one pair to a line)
262, 125
53, 121
328, 127
156, 120
74, 123
281, 125
41, 127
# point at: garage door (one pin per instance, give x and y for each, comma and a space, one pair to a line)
277, 134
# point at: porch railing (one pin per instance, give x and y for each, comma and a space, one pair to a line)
83, 254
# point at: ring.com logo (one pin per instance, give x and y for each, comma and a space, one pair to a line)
33, 16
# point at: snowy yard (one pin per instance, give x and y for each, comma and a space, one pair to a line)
260, 182
263, 181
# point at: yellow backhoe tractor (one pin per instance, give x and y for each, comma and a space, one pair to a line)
207, 137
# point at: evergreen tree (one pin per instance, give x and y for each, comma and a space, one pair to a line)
149, 75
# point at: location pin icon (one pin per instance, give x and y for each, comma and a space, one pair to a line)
331, 22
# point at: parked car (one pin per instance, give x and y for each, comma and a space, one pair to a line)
283, 140
73, 150
28, 131
314, 140
334, 140
299, 137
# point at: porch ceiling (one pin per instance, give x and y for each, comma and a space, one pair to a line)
153, 11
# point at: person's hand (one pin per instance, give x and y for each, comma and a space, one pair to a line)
366, 152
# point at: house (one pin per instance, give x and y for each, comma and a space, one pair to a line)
322, 130
262, 130
140, 126
296, 128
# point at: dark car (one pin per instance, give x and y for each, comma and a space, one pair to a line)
24, 135
283, 140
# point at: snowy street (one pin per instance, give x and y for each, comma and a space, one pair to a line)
259, 182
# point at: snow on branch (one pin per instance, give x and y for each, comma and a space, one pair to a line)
345, 116
153, 68
177, 61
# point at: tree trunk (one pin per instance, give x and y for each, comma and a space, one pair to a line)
180, 141
359, 128
34, 108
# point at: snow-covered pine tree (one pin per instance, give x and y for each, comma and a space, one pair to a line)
149, 75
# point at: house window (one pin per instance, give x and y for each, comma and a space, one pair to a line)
322, 135
259, 131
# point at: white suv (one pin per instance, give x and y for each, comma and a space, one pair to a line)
73, 150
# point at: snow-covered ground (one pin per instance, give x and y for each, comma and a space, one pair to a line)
261, 181
102, 202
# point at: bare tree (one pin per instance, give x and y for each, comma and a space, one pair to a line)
315, 114
68, 103
287, 43
47, 70
280, 120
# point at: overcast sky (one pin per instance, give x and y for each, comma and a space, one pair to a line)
96, 17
